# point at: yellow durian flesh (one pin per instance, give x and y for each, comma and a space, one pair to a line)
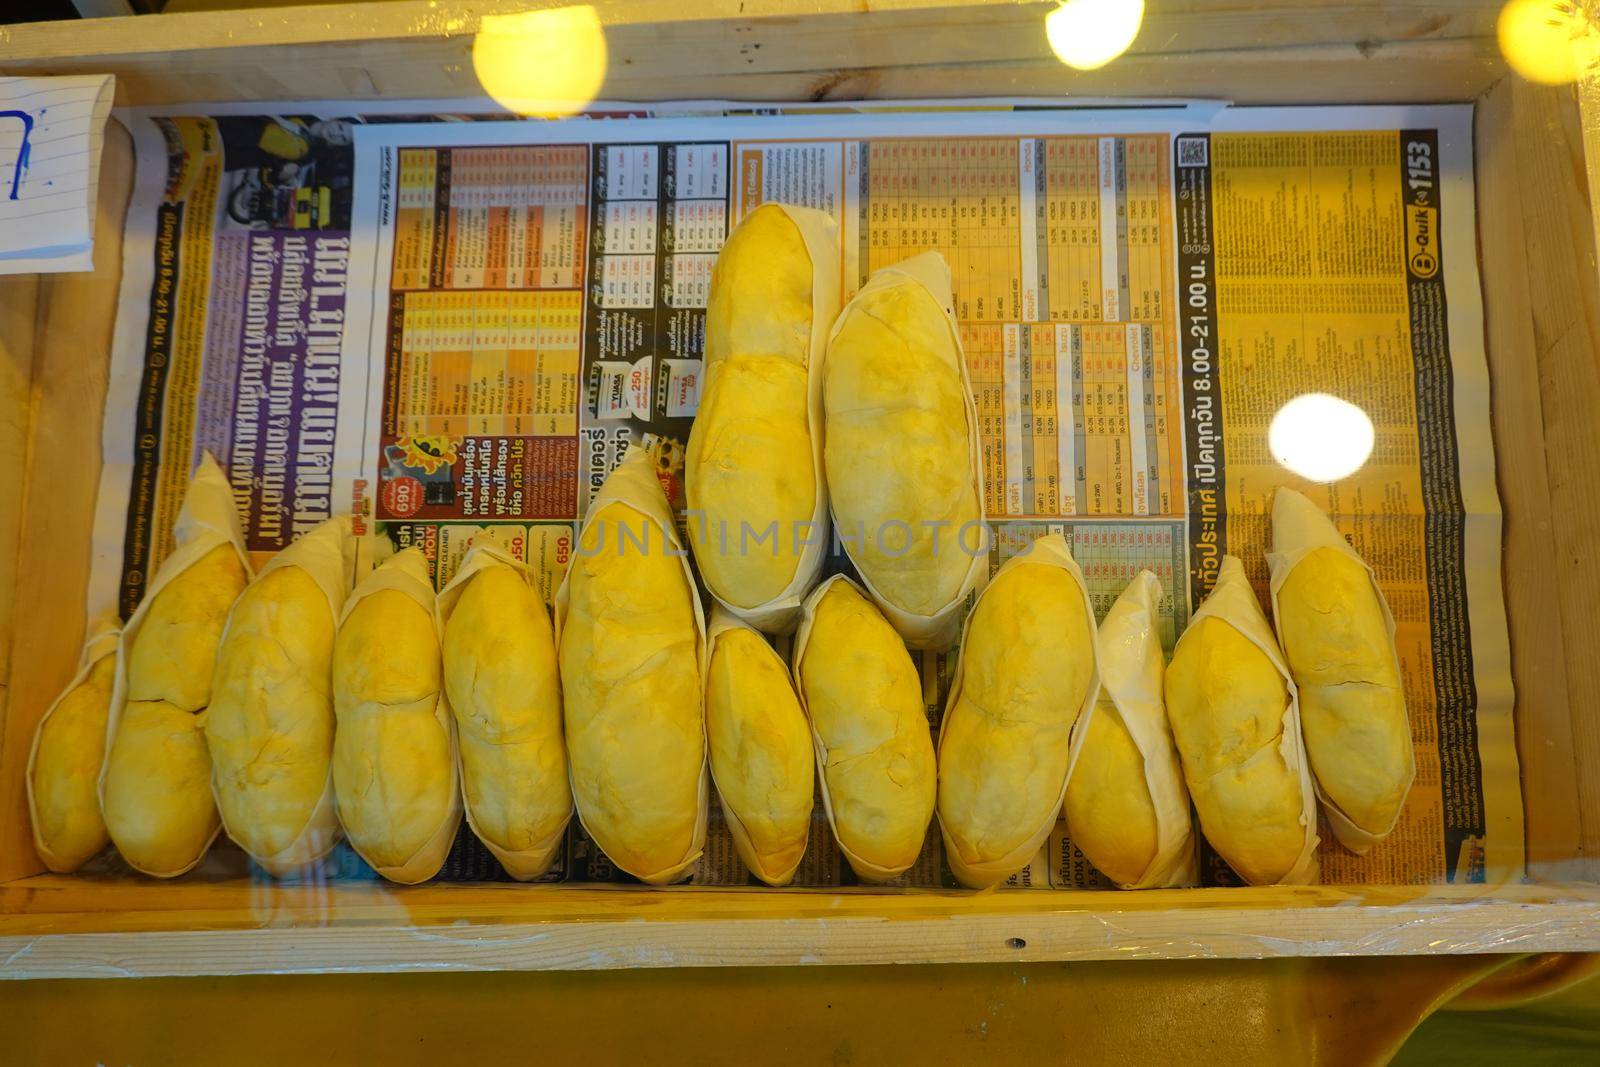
156, 798
270, 726
1352, 705
865, 702
631, 689
1026, 669
1110, 815
392, 761
66, 771
760, 300
1226, 702
174, 654
158, 804
500, 674
749, 462
761, 753
897, 447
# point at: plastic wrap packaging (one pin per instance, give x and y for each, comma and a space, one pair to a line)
155, 785
630, 636
1252, 810
762, 759
875, 762
907, 504
394, 752
68, 749
501, 677
1339, 642
271, 723
1127, 806
1025, 680
760, 418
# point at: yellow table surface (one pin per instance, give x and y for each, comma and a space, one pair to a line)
1344, 1011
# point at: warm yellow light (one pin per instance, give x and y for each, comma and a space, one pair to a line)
547, 63
1320, 437
1540, 38
1087, 34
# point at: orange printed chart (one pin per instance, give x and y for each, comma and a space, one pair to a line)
482, 375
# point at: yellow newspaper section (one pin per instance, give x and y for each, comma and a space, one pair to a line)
1312, 297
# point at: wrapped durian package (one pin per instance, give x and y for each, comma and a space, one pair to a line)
1127, 808
875, 760
68, 748
1236, 722
1338, 636
1025, 677
271, 723
394, 748
758, 502
630, 636
155, 785
905, 483
762, 759
501, 677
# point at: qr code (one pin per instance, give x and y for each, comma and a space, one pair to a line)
1193, 152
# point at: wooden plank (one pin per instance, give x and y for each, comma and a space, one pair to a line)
1532, 586
19, 308
658, 49
589, 929
71, 359
1564, 295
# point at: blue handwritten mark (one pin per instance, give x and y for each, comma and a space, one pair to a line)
22, 149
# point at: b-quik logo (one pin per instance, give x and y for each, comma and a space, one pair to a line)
1422, 240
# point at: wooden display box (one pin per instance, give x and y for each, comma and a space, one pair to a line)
1542, 308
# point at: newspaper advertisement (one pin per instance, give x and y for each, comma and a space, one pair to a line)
454, 330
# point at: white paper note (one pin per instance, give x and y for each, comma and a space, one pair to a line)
51, 133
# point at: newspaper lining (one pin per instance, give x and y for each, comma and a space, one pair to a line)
455, 329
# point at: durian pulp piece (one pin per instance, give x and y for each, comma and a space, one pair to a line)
1234, 717
501, 675
1338, 636
631, 645
155, 784
1127, 807
761, 754
68, 749
901, 450
1026, 675
874, 751
271, 723
757, 515
394, 748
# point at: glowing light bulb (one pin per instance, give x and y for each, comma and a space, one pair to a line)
1320, 437
1540, 39
547, 63
1088, 34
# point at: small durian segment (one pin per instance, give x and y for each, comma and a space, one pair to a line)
394, 749
1110, 815
1338, 637
761, 754
753, 469
155, 785
68, 749
501, 676
631, 644
901, 450
1127, 806
1026, 675
271, 722
874, 751
1233, 715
